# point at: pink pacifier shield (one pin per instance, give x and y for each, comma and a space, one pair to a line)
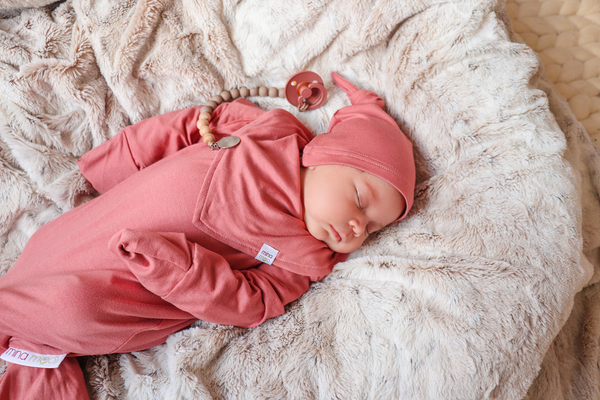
305, 90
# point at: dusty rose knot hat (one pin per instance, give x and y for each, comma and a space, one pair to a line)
365, 137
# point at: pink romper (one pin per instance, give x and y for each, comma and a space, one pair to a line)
172, 239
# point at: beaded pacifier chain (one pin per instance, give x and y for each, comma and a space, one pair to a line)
304, 90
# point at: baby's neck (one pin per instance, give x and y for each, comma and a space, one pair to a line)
302, 180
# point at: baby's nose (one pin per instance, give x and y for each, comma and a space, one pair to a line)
358, 227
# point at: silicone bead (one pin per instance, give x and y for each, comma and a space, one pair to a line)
273, 92
208, 139
202, 122
235, 93
206, 109
263, 91
282, 93
217, 99
205, 130
205, 115
226, 95
254, 91
211, 104
244, 92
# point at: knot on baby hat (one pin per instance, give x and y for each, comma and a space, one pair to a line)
365, 137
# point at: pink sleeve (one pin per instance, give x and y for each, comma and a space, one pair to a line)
202, 283
138, 146
150, 140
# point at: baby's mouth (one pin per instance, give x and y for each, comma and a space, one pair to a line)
336, 235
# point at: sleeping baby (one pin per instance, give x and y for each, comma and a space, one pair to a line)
181, 232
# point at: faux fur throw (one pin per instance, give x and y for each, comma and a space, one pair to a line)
461, 300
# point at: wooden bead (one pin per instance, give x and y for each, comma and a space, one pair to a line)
205, 130
254, 91
217, 99
226, 95
273, 92
211, 104
208, 139
202, 122
263, 91
206, 109
235, 93
205, 115
282, 93
244, 92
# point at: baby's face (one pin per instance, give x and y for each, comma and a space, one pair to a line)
343, 205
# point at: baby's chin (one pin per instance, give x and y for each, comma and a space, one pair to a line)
341, 247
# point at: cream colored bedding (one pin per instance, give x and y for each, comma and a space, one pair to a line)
566, 37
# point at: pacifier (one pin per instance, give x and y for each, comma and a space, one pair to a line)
305, 91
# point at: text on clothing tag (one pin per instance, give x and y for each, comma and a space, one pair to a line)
267, 254
31, 359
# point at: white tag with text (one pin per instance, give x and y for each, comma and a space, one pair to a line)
267, 254
31, 359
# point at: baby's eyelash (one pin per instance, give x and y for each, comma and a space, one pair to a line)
359, 202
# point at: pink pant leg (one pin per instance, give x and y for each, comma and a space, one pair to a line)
63, 383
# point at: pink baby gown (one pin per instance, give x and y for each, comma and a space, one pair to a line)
172, 239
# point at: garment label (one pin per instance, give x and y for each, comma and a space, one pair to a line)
31, 359
267, 254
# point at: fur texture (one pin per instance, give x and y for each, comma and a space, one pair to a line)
461, 300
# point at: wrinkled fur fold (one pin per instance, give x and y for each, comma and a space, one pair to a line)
472, 296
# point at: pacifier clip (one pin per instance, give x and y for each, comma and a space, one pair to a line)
303, 90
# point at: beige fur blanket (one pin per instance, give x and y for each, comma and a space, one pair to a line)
464, 299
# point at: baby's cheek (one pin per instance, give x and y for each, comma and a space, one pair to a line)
314, 229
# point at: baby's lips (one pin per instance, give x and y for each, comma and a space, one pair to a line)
336, 235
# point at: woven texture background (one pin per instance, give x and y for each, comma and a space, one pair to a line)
566, 36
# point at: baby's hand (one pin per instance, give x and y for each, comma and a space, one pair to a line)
158, 260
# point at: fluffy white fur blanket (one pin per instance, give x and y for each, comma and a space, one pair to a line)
462, 300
